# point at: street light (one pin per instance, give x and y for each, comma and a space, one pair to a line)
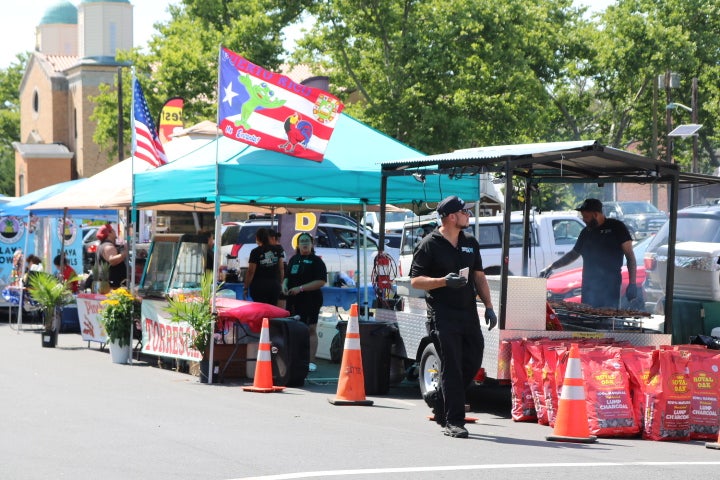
674, 105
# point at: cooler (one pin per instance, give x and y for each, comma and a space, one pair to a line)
326, 331
697, 272
70, 322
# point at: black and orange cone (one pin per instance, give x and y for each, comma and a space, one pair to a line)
571, 422
263, 381
351, 384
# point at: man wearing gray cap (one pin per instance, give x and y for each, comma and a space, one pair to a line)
602, 244
447, 265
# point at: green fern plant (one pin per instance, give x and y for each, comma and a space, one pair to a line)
196, 311
50, 293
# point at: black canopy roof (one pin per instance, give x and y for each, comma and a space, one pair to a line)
557, 162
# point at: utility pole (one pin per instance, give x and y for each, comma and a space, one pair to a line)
694, 107
121, 126
668, 118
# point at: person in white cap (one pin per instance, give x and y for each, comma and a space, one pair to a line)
602, 244
447, 265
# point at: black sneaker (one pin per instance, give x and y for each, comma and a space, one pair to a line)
455, 431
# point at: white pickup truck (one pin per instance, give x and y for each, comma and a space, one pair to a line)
552, 235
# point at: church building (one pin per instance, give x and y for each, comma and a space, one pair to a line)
74, 54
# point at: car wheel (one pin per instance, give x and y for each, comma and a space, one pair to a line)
429, 374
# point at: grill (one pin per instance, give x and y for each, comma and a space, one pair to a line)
584, 318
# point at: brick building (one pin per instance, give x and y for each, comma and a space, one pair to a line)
74, 54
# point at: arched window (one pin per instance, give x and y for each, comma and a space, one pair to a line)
36, 102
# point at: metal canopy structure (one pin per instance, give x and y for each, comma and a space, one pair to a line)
557, 162
585, 161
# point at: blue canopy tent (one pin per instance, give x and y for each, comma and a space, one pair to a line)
17, 207
348, 176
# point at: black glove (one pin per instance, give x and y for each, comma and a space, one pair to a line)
546, 272
631, 292
490, 318
453, 280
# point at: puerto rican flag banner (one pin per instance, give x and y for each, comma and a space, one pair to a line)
270, 111
145, 142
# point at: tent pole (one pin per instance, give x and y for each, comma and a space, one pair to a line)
22, 273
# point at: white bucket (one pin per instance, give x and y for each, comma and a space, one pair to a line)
251, 355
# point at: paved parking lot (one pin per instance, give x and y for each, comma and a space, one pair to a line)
70, 413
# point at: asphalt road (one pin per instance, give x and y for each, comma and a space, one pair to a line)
68, 412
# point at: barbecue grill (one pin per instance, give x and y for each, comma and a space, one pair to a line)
584, 318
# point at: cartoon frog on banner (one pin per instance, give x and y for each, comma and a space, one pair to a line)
259, 96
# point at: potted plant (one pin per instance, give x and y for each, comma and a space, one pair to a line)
50, 293
195, 309
101, 277
119, 311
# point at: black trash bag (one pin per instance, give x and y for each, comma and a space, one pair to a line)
713, 343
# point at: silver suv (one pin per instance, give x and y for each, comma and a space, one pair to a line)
694, 224
641, 218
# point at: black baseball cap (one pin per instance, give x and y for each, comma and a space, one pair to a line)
452, 204
590, 205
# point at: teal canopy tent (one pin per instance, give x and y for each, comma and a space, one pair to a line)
349, 175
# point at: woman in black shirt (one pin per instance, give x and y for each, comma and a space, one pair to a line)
265, 270
306, 274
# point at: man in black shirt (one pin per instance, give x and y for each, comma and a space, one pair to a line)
447, 265
602, 245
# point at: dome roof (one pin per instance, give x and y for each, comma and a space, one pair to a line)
62, 12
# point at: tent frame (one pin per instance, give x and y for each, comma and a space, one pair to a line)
557, 162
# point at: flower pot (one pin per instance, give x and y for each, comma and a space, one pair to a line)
205, 371
120, 354
49, 338
101, 287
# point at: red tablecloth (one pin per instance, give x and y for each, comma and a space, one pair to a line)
249, 313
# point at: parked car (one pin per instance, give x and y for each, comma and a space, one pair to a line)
567, 286
335, 244
90, 245
694, 224
641, 218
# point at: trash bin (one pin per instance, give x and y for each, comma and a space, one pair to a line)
376, 340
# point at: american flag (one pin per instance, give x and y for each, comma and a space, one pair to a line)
145, 141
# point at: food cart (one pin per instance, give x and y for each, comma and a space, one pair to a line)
520, 301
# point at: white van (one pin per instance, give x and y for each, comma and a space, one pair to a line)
335, 244
552, 235
394, 220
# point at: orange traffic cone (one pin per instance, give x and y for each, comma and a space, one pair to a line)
351, 384
571, 423
715, 446
263, 381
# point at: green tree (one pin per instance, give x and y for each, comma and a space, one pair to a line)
182, 58
442, 75
10, 121
641, 40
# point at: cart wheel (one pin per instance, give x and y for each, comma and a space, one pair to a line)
429, 370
